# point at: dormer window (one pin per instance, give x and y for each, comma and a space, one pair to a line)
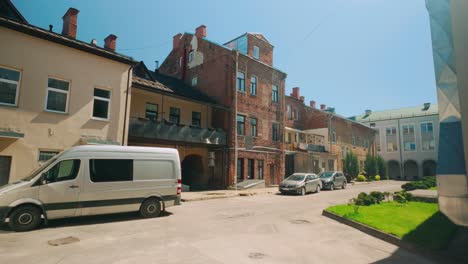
256, 52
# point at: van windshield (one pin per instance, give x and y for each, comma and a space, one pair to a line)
36, 171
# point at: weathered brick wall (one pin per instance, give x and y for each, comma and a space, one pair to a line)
265, 48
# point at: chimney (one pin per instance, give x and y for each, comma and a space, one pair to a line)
176, 40
312, 104
302, 98
368, 112
110, 42
323, 107
200, 31
70, 22
295, 92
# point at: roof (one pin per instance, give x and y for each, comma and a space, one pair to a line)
8, 10
407, 112
115, 149
144, 78
258, 35
63, 40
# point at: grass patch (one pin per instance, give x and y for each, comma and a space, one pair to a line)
418, 222
433, 188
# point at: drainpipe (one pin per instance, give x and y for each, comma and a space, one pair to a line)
235, 119
129, 85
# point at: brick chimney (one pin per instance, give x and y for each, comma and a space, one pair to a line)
110, 42
176, 40
200, 31
295, 92
312, 104
70, 22
323, 107
302, 98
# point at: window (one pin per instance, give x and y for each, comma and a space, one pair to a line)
240, 125
240, 167
111, 170
101, 103
260, 169
333, 136
289, 138
353, 140
194, 81
151, 112
427, 136
250, 168
65, 170
253, 85
190, 56
274, 94
9, 86
409, 137
57, 95
331, 165
144, 170
392, 144
296, 114
174, 115
240, 81
256, 52
253, 127
289, 112
46, 155
275, 132
196, 119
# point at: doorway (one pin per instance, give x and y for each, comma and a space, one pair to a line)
5, 165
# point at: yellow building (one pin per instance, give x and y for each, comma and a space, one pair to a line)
166, 112
56, 92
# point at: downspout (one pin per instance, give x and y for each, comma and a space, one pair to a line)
235, 119
400, 150
129, 85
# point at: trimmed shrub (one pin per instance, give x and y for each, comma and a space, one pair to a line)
364, 199
402, 197
425, 183
377, 178
351, 166
378, 196
381, 167
361, 178
370, 166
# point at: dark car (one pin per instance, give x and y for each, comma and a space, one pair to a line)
301, 183
333, 179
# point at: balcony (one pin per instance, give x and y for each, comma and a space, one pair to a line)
306, 147
145, 129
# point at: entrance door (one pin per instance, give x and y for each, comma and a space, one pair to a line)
251, 169
5, 164
60, 192
289, 164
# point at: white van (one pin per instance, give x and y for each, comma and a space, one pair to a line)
91, 180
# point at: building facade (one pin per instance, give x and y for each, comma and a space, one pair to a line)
166, 112
407, 139
56, 92
240, 76
318, 140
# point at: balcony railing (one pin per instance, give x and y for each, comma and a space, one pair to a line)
305, 147
142, 128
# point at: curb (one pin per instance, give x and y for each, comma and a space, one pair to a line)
413, 248
240, 194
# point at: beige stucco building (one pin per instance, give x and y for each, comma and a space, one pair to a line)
56, 92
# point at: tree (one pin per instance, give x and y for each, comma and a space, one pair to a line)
381, 167
370, 165
351, 166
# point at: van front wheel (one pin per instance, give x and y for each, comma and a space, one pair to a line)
150, 208
25, 218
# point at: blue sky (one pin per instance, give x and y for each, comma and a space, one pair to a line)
348, 54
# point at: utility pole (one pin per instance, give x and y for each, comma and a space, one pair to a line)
235, 119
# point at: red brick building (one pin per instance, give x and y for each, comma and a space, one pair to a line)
239, 75
319, 139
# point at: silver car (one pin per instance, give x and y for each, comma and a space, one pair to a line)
301, 183
333, 179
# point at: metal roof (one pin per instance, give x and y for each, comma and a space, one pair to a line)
407, 112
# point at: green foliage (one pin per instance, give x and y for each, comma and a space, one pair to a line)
402, 197
370, 166
426, 182
369, 199
361, 178
351, 166
377, 178
378, 196
381, 167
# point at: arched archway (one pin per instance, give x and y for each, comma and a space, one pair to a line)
192, 169
429, 168
394, 169
411, 170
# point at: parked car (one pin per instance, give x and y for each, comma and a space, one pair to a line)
92, 180
333, 179
301, 183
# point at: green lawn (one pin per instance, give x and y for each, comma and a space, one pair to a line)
433, 188
419, 222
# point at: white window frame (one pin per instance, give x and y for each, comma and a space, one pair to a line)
421, 138
275, 99
397, 139
102, 99
59, 91
414, 133
256, 85
13, 82
258, 52
190, 56
194, 81
296, 113
237, 81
